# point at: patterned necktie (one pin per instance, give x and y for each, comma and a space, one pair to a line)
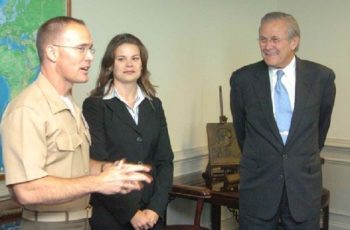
283, 110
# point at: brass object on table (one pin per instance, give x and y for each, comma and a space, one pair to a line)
224, 154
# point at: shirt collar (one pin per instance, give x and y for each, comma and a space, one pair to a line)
53, 98
114, 93
289, 70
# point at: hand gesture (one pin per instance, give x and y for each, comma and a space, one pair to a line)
123, 178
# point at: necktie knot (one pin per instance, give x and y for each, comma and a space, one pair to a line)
280, 74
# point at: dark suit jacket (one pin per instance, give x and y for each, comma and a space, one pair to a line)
266, 164
114, 136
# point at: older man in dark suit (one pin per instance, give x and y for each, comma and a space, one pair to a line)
281, 108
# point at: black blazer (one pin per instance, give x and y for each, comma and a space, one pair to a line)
266, 164
114, 136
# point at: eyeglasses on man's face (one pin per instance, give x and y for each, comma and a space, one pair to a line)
81, 49
274, 40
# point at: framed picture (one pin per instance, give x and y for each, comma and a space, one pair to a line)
222, 145
19, 63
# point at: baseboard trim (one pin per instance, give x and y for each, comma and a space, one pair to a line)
338, 215
190, 160
339, 212
337, 142
336, 155
185, 154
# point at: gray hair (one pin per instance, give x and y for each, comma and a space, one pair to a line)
293, 27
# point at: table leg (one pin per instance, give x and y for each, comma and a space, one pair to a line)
215, 217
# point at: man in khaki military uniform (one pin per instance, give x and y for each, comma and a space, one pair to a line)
46, 140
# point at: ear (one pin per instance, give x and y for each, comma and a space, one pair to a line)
51, 53
294, 43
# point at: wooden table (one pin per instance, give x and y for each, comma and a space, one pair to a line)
217, 197
9, 211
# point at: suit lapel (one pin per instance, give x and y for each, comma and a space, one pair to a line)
303, 84
263, 89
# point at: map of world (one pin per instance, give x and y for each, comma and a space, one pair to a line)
19, 64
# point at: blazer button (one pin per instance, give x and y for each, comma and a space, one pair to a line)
139, 139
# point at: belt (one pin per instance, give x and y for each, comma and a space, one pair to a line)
53, 216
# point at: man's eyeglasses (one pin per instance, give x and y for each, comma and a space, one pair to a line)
81, 49
273, 40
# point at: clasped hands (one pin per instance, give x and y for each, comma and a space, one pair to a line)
143, 220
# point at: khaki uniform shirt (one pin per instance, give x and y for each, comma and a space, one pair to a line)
41, 137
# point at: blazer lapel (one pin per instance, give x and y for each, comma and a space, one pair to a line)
121, 112
146, 109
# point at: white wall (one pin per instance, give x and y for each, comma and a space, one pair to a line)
194, 46
325, 38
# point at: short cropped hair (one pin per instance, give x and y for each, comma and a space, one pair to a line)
50, 30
